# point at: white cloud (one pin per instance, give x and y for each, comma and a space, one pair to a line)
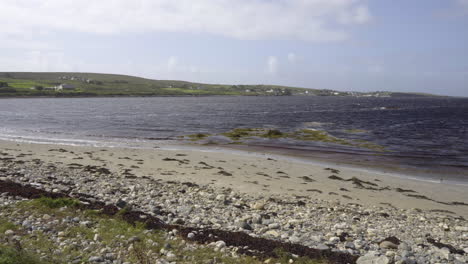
36, 61
292, 57
311, 20
172, 63
358, 15
272, 64
376, 68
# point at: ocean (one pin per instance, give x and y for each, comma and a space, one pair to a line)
423, 136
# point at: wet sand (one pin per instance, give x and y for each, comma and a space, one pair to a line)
255, 173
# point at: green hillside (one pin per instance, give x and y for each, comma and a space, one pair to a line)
94, 84
25, 84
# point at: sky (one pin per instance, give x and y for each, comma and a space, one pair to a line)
347, 45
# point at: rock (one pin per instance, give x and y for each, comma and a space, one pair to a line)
243, 225
272, 233
461, 228
220, 244
95, 259
256, 219
109, 256
190, 235
167, 246
444, 253
388, 245
316, 238
405, 254
260, 205
9, 232
322, 247
171, 256
134, 239
76, 261
404, 246
373, 260
97, 237
334, 240
274, 226
121, 203
350, 245
221, 197
295, 240
185, 210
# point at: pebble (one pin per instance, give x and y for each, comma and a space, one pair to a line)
373, 260
388, 245
95, 259
318, 223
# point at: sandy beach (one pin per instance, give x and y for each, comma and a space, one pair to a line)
256, 173
363, 214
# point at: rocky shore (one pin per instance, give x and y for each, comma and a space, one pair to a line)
373, 234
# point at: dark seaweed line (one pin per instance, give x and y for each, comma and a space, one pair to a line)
260, 247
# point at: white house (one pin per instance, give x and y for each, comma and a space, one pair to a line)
65, 86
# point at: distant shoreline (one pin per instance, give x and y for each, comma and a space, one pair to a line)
95, 84
126, 96
205, 95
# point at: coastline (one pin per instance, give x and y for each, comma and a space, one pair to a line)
255, 173
387, 166
316, 207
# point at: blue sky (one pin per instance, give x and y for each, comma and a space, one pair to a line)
349, 45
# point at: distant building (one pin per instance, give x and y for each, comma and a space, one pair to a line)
64, 86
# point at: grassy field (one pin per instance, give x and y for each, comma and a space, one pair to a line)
20, 84
93, 84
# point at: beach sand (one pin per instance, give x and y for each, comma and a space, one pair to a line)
256, 173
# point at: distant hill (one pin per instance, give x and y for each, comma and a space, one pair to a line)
68, 84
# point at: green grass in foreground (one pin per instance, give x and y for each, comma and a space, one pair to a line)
113, 233
57, 203
10, 255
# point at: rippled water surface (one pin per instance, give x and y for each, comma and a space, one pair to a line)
416, 131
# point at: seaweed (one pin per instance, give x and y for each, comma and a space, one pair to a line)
334, 177
404, 190
314, 190
307, 179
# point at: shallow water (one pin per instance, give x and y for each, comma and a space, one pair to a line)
426, 133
